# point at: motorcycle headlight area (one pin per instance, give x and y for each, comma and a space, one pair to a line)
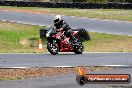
47, 34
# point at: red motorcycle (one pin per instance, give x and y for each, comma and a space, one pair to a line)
58, 42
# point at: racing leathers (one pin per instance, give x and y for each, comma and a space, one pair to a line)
68, 31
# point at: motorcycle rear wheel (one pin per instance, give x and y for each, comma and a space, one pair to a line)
78, 49
53, 47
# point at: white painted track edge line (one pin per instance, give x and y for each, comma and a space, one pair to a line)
120, 66
36, 67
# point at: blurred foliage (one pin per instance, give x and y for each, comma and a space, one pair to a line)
90, 1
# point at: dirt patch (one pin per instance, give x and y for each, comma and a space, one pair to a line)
25, 10
24, 42
13, 74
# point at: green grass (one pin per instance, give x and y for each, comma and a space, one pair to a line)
112, 14
18, 37
102, 42
21, 38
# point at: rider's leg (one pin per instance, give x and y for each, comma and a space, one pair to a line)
70, 34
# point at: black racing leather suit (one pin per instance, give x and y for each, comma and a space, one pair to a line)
68, 31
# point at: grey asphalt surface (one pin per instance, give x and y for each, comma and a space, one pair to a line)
95, 25
47, 60
63, 59
64, 81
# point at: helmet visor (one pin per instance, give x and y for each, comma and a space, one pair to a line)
56, 20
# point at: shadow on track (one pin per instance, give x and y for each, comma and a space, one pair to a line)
67, 53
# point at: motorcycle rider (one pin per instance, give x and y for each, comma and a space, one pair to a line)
60, 24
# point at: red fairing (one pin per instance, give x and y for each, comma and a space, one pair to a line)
66, 46
64, 43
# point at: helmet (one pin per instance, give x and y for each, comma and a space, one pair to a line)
57, 18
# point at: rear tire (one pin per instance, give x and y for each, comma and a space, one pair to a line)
53, 47
78, 49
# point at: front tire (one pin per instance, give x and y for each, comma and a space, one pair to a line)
53, 47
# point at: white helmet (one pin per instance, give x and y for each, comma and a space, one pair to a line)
57, 18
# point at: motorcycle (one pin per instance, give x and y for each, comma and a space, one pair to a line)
58, 42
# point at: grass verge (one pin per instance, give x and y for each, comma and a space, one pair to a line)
21, 38
111, 14
102, 42
18, 38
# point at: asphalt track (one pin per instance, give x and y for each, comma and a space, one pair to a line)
96, 25
63, 59
70, 59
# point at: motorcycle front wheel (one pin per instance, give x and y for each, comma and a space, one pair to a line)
53, 47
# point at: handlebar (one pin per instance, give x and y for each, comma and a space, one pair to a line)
59, 30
